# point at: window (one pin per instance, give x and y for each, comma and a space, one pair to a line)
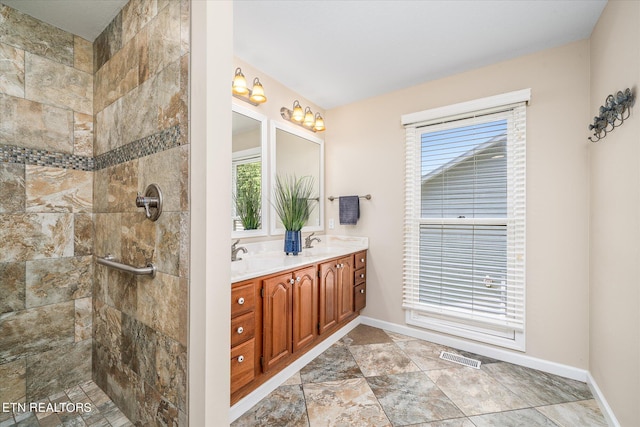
464, 219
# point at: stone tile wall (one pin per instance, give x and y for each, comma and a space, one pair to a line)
140, 105
46, 208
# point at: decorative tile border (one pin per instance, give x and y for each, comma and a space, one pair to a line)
152, 144
30, 156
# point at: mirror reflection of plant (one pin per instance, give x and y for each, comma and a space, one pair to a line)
248, 197
292, 200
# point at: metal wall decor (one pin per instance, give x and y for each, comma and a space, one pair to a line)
613, 113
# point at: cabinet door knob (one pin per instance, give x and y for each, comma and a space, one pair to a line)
291, 281
298, 279
362, 275
240, 330
362, 291
341, 265
361, 259
240, 359
240, 300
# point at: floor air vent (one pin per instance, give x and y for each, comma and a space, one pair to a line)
445, 355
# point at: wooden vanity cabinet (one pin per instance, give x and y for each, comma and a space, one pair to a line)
277, 318
360, 281
290, 313
336, 292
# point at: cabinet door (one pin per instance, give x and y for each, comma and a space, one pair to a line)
345, 288
305, 307
278, 292
328, 316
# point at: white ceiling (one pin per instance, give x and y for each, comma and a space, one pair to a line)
84, 18
337, 52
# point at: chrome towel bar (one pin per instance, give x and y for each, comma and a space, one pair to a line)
368, 197
109, 261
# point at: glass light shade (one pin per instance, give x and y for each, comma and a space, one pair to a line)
297, 115
239, 85
309, 120
318, 126
257, 93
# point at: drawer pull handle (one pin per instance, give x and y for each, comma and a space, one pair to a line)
240, 330
240, 300
240, 359
362, 276
361, 259
362, 291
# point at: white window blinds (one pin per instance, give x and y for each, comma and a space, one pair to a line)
465, 217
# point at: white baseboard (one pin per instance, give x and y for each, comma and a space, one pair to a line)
602, 402
481, 349
246, 403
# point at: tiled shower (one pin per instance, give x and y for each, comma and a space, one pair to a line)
84, 127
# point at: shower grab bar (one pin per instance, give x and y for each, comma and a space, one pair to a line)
109, 261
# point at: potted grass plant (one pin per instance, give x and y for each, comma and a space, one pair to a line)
292, 204
248, 205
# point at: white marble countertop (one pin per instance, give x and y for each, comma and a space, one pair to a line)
268, 257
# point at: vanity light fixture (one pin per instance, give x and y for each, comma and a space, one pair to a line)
240, 90
304, 118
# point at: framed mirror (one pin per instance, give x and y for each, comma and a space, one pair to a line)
249, 206
295, 151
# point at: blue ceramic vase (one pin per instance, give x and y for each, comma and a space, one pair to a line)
292, 242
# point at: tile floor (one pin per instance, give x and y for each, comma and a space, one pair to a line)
377, 378
104, 413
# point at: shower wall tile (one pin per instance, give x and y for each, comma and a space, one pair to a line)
12, 191
50, 281
107, 43
163, 305
58, 369
36, 236
84, 319
135, 15
121, 291
118, 76
163, 40
167, 243
138, 239
154, 105
83, 134
123, 188
83, 232
185, 224
31, 124
13, 387
107, 326
83, 54
12, 287
11, 70
30, 34
37, 330
185, 26
171, 370
108, 237
56, 84
52, 189
168, 169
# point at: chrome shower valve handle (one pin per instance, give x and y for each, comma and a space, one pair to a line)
151, 202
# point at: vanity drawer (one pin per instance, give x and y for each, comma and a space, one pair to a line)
242, 365
360, 276
243, 298
242, 328
361, 260
360, 297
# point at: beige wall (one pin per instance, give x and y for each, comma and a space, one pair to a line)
365, 154
615, 217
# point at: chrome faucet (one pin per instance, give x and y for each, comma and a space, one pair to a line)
308, 241
235, 250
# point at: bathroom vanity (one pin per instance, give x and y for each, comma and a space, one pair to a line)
289, 305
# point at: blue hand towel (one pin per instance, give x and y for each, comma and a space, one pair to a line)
349, 209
